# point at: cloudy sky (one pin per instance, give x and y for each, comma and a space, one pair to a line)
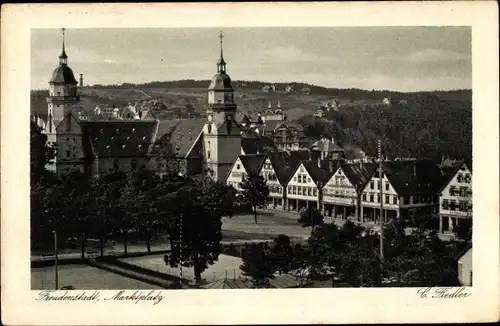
401, 59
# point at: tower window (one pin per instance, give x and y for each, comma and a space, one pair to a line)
237, 166
208, 154
68, 154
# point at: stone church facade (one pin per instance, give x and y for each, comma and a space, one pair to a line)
207, 146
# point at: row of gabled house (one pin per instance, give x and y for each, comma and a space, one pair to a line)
352, 190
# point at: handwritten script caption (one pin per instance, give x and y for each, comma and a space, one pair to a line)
443, 293
136, 296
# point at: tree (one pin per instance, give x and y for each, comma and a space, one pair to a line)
310, 217
359, 265
42, 153
255, 192
135, 205
257, 265
196, 234
105, 213
282, 254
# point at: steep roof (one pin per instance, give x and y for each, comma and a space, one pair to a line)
316, 173
284, 166
252, 163
184, 135
448, 173
256, 145
122, 138
413, 177
300, 155
359, 173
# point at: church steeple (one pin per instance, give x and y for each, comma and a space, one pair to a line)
221, 64
63, 57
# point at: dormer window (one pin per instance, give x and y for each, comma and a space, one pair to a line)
96, 138
128, 138
108, 147
102, 131
140, 147
144, 138
124, 146
117, 130
133, 129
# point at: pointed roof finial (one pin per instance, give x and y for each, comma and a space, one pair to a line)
63, 53
221, 64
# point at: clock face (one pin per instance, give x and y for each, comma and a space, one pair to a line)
228, 117
210, 118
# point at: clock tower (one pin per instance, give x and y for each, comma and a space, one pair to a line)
222, 136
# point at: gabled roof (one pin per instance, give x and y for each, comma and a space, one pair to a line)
256, 145
413, 177
448, 173
184, 135
317, 174
359, 173
462, 252
252, 163
284, 166
123, 138
300, 155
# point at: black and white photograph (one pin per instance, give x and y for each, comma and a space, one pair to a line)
267, 158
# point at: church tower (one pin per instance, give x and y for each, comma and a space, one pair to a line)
221, 134
62, 127
62, 89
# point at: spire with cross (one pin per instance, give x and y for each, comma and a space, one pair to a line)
221, 64
63, 58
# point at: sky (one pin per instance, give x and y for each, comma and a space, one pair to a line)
383, 58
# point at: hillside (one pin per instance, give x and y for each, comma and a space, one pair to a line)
428, 124
249, 96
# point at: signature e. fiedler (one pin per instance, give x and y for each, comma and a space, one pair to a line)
443, 293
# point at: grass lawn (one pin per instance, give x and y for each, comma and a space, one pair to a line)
269, 224
83, 277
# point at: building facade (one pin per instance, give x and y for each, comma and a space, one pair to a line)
455, 198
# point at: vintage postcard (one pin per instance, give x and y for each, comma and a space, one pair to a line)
250, 163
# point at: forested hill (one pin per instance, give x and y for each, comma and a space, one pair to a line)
350, 93
421, 129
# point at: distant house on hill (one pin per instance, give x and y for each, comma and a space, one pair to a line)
288, 88
320, 113
305, 90
386, 101
269, 88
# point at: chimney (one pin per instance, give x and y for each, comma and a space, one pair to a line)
81, 80
269, 106
279, 105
